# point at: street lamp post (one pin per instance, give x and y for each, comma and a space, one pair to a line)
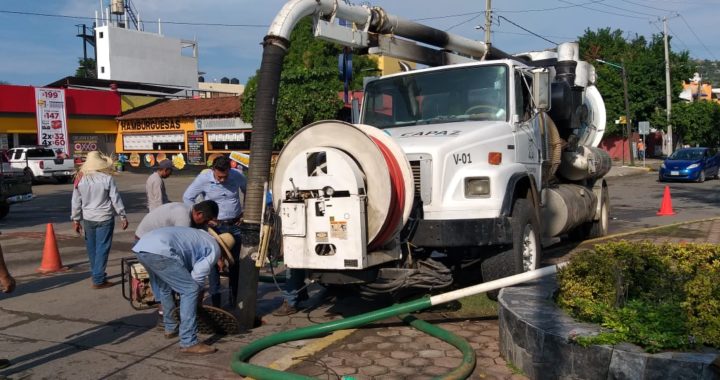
628, 129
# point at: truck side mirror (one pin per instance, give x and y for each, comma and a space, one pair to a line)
541, 90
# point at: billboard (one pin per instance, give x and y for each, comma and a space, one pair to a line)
51, 120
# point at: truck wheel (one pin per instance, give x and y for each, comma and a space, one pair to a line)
4, 209
595, 228
29, 174
525, 252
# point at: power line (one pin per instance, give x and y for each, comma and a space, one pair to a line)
696, 36
527, 30
549, 9
647, 6
463, 22
148, 22
678, 38
606, 12
628, 10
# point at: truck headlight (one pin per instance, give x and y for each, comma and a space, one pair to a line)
662, 165
477, 187
693, 166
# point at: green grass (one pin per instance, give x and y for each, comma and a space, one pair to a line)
478, 305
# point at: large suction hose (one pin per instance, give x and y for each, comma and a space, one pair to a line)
240, 365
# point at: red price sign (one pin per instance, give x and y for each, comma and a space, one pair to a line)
50, 94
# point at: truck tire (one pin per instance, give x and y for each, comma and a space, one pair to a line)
4, 209
525, 252
29, 174
595, 228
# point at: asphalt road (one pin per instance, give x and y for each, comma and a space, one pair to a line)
635, 201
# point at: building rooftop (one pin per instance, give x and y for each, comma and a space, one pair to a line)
228, 106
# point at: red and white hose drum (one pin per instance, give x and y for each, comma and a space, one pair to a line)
354, 161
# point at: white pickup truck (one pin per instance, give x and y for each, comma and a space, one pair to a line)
40, 162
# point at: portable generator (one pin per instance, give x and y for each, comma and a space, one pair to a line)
136, 284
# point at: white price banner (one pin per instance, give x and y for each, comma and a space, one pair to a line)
51, 120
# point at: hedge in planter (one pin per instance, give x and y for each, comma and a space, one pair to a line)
656, 296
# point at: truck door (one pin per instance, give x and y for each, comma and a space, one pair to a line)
528, 142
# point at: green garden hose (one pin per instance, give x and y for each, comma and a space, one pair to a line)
239, 358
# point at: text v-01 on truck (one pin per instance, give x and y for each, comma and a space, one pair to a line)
454, 172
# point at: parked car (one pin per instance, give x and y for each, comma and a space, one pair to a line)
15, 187
41, 162
690, 164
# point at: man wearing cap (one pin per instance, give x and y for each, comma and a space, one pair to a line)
222, 185
155, 185
179, 259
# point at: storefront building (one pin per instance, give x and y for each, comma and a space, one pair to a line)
186, 131
90, 117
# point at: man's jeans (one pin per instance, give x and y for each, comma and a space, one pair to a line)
168, 274
98, 239
233, 276
294, 281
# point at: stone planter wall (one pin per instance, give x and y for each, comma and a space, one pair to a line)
535, 336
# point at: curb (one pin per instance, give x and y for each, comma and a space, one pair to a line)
642, 230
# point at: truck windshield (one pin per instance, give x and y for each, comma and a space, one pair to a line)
440, 96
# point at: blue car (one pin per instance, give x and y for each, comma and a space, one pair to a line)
690, 164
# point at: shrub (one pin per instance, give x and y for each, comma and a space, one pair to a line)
657, 296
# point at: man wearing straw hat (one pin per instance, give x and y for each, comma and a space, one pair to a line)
179, 259
95, 201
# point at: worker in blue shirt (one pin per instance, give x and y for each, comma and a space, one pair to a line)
179, 259
222, 185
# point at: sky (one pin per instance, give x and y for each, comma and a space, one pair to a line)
38, 50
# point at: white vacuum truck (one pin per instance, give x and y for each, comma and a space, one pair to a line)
454, 173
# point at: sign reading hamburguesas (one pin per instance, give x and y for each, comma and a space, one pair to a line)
51, 120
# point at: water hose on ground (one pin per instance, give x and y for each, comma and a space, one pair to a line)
240, 365
468, 359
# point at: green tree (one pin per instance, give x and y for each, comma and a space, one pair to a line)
87, 68
644, 63
697, 123
309, 83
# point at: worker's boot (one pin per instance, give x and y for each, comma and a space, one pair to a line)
284, 310
216, 300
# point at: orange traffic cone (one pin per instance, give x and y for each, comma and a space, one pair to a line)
51, 256
666, 206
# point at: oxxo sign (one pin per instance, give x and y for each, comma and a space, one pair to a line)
87, 147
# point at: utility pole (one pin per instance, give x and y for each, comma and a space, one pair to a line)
488, 22
628, 124
668, 89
